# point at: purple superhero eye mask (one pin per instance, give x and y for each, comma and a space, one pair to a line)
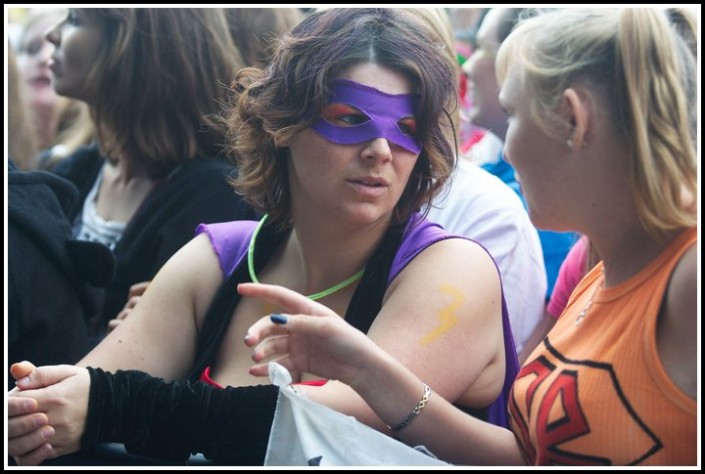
383, 111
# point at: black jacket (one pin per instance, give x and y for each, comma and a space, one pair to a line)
195, 192
50, 275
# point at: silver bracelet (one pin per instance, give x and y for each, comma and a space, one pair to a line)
415, 411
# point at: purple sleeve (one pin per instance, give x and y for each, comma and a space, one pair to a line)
418, 235
230, 241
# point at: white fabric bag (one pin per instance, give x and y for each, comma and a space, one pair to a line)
306, 433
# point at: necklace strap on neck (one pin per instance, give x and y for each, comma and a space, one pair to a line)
315, 296
337, 287
251, 250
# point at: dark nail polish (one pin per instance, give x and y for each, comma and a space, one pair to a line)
278, 318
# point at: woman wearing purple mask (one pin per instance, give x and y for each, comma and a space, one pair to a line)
599, 133
340, 141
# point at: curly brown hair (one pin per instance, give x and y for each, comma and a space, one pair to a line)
274, 104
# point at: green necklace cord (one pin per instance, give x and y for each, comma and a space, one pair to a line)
315, 296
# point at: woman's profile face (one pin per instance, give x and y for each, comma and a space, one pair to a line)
539, 160
78, 40
33, 61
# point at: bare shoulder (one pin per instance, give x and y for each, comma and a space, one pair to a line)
461, 258
198, 252
677, 327
682, 294
456, 266
195, 269
683, 287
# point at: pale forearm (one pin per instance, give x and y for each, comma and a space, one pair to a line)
139, 343
392, 391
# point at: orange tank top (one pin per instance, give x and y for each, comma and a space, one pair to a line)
596, 393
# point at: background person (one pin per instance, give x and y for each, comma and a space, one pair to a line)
155, 80
61, 124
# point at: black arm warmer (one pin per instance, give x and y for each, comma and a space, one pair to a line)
172, 420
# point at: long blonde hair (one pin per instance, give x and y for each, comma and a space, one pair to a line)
628, 58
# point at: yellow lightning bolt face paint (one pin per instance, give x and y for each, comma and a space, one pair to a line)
446, 316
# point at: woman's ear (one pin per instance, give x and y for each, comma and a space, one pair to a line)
579, 114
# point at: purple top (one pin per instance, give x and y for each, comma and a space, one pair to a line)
231, 240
